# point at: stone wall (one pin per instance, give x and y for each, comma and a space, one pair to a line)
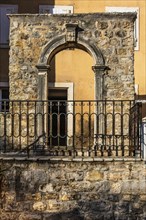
112, 34
47, 190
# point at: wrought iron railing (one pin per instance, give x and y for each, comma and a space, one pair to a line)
70, 128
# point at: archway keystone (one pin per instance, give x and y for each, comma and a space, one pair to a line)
71, 32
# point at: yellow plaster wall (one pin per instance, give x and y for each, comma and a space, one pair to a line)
75, 66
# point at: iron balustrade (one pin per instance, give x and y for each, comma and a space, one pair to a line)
108, 128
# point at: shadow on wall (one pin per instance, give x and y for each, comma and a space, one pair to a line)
96, 210
52, 74
71, 215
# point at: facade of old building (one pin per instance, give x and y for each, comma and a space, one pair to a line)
70, 135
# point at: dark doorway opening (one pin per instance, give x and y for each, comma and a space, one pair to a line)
57, 117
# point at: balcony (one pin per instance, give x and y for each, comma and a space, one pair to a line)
70, 129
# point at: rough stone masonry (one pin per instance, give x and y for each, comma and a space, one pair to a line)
47, 190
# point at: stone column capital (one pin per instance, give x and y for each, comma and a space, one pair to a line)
98, 69
42, 69
99, 72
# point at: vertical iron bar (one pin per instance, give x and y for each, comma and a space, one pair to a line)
35, 123
5, 131
130, 127
105, 124
58, 124
27, 125
116, 146
113, 128
20, 118
82, 128
74, 135
66, 135
135, 130
12, 123
43, 118
122, 127
50, 129
139, 123
97, 135
89, 128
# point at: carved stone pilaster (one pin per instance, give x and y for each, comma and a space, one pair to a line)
99, 91
43, 81
42, 107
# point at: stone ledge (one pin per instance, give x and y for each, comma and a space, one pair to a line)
70, 159
107, 15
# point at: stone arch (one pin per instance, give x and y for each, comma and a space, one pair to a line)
71, 39
59, 43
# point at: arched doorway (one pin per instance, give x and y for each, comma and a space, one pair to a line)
70, 40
